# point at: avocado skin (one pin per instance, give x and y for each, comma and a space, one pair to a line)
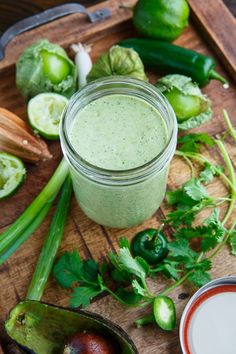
32, 310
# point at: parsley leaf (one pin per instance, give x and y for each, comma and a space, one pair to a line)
193, 142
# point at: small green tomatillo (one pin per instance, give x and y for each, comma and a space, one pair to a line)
191, 106
151, 245
55, 67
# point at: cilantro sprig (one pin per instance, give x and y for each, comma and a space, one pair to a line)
191, 249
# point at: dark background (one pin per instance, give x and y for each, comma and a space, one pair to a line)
12, 11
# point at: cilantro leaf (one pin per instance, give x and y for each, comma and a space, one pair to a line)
180, 250
68, 269
128, 263
199, 278
189, 200
203, 265
209, 172
118, 274
211, 233
138, 289
169, 268
193, 142
195, 190
129, 296
82, 295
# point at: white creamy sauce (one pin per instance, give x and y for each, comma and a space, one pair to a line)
212, 329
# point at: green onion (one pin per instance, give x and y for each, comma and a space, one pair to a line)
51, 244
26, 233
46, 196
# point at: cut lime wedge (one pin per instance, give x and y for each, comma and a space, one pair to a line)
12, 174
44, 112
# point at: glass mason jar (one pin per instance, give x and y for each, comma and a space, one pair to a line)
124, 198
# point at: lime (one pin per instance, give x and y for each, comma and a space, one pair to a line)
161, 19
44, 112
12, 174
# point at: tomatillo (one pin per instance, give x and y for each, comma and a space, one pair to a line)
55, 67
151, 245
191, 106
161, 19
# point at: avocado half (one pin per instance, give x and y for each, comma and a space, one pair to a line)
40, 328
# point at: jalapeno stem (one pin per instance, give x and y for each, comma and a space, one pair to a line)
216, 76
145, 320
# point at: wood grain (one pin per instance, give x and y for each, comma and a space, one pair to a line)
216, 24
81, 233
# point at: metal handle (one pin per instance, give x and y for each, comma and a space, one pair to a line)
47, 16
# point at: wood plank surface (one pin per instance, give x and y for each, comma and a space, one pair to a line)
216, 25
81, 233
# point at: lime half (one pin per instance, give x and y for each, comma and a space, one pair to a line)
44, 112
12, 174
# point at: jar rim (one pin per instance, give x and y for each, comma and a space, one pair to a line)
105, 86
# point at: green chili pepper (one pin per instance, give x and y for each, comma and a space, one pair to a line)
164, 314
151, 245
169, 58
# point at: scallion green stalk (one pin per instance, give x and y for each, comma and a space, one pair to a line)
51, 244
26, 233
47, 195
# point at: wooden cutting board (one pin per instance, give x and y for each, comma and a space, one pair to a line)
212, 31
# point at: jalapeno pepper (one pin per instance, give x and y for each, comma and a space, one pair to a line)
151, 245
169, 58
164, 314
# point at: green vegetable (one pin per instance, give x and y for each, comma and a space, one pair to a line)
12, 174
189, 200
164, 314
51, 244
45, 67
191, 107
36, 327
128, 282
44, 112
55, 68
118, 61
193, 142
150, 244
26, 233
18, 229
161, 19
172, 59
